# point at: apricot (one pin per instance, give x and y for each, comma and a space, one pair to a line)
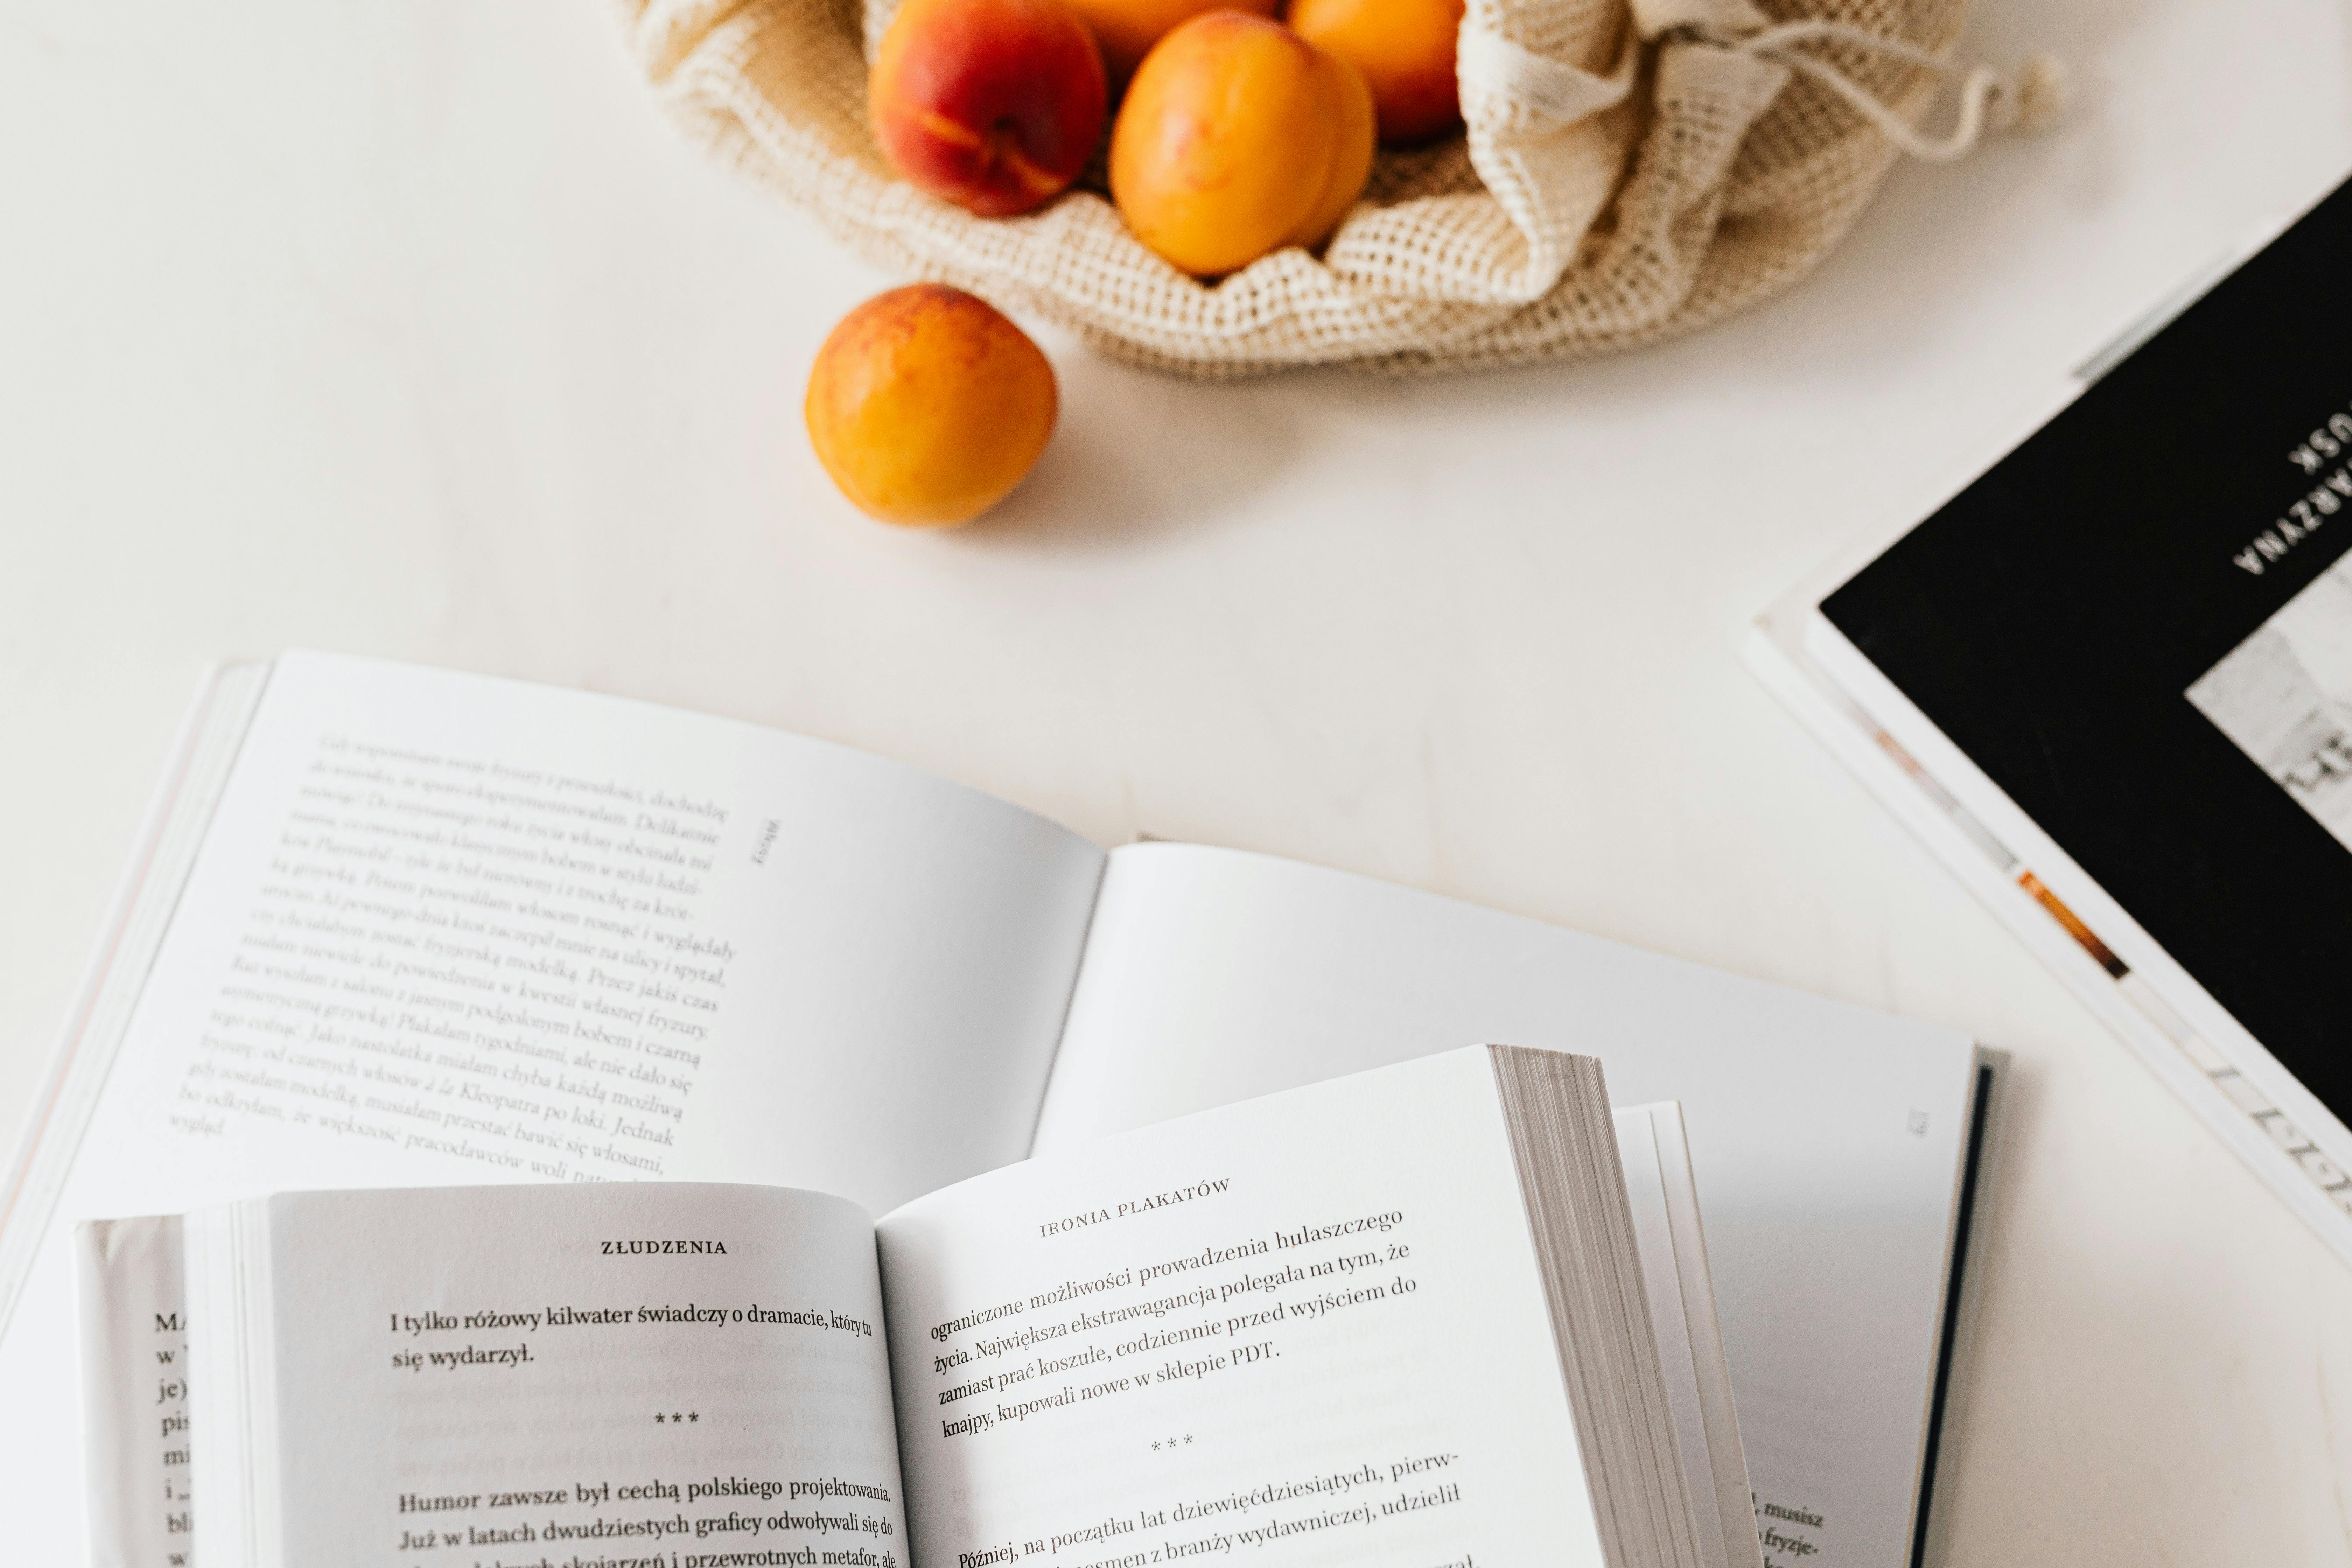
1127, 28
994, 105
1405, 49
927, 405
1238, 137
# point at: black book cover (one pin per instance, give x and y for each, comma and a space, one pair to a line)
2139, 625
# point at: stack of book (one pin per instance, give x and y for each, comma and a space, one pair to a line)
526, 1066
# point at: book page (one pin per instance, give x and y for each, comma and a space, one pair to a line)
1310, 1329
451, 930
1829, 1141
654, 1372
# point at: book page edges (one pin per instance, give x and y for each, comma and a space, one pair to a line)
232, 1404
130, 1272
1719, 1411
1564, 1146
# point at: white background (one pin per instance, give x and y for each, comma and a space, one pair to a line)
407, 327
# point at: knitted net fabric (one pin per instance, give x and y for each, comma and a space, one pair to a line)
1631, 171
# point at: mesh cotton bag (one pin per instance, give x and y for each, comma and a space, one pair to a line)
1632, 169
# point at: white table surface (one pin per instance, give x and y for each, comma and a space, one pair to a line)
409, 327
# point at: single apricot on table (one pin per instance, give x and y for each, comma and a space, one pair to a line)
1238, 137
1127, 28
927, 405
1405, 49
994, 105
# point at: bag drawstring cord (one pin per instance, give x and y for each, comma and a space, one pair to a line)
2028, 100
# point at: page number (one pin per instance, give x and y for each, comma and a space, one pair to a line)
1918, 1122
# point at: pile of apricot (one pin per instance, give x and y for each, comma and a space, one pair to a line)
1235, 133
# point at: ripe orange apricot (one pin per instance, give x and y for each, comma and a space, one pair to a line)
1127, 28
1405, 49
994, 105
1238, 137
927, 405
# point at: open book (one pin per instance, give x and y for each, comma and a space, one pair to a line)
1406, 1311
399, 927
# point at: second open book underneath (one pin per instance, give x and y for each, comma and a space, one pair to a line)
1402, 1317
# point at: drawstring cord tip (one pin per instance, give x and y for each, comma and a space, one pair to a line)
2034, 99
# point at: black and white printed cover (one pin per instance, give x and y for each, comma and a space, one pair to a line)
2111, 679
